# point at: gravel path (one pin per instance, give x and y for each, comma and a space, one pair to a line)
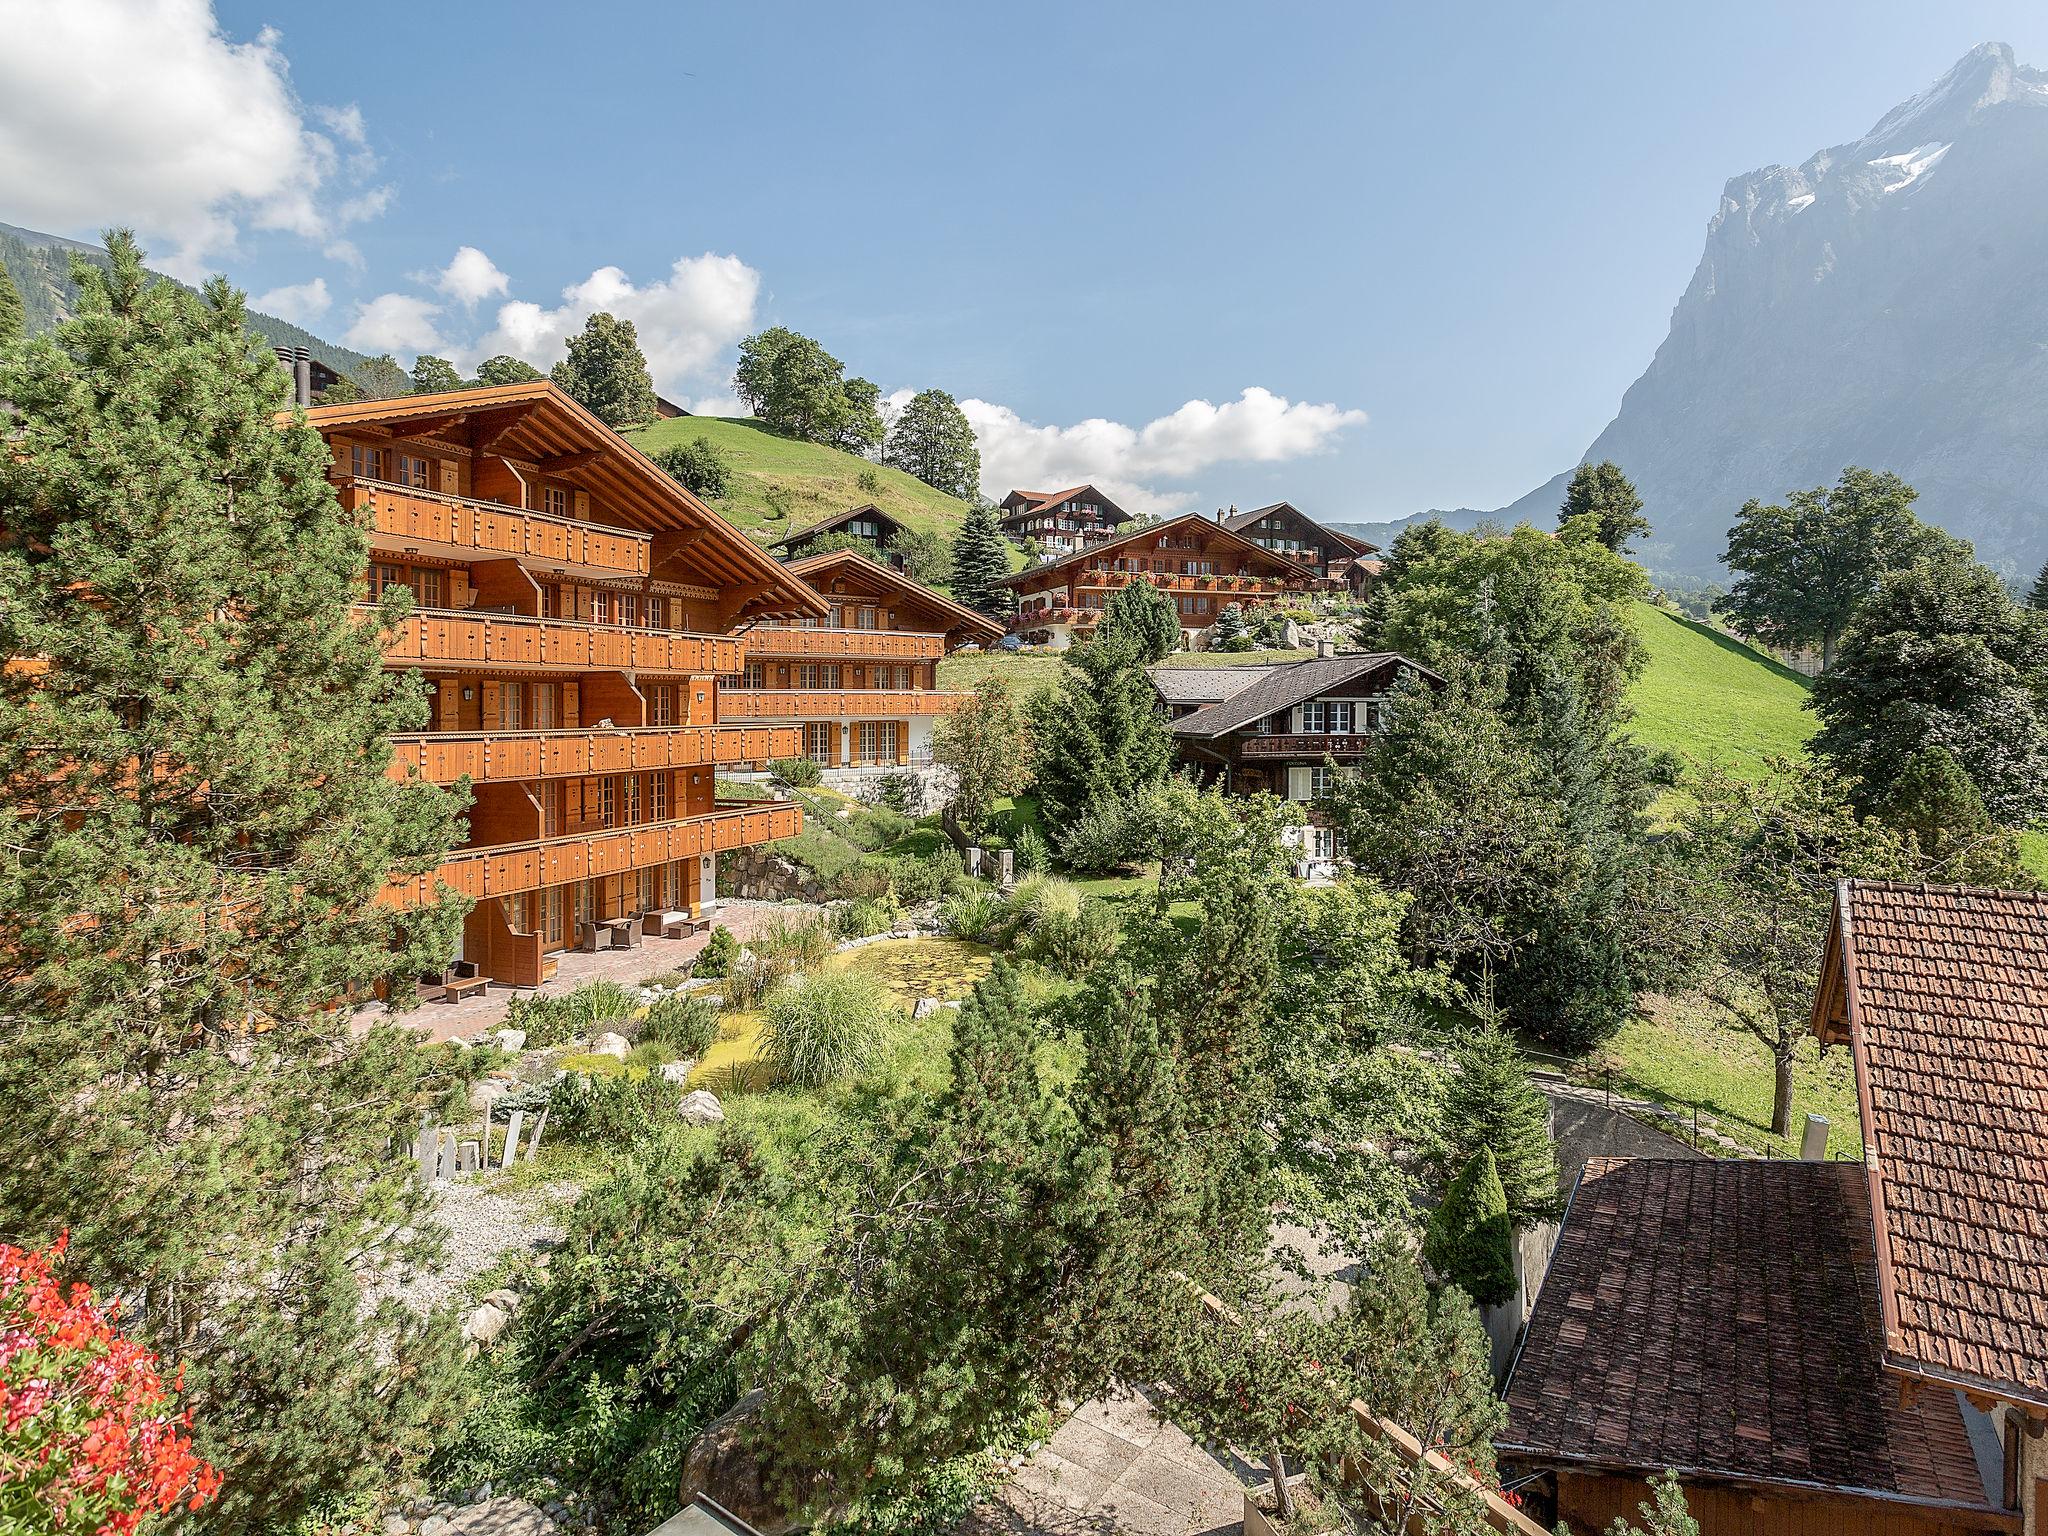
482, 1227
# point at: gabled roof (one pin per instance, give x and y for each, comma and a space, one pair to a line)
1283, 687
1029, 502
1344, 542
1204, 685
839, 520
535, 422
958, 623
1107, 548
1942, 994
1721, 1318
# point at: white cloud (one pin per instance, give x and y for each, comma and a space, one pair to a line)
398, 323
471, 277
685, 322
300, 303
144, 112
1258, 427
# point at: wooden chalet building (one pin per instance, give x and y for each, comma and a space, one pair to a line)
858, 682
868, 522
1060, 522
1278, 730
1200, 564
573, 611
1830, 1347
1337, 558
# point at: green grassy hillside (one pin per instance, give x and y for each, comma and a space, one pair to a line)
1709, 697
781, 486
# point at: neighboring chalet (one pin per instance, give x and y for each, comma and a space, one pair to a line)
859, 681
1285, 529
1060, 522
573, 611
1830, 1347
1277, 730
868, 522
1201, 565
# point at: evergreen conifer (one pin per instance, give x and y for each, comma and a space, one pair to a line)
2037, 595
1470, 1241
1491, 1106
13, 318
981, 557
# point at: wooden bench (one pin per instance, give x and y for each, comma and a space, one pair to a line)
674, 925
456, 988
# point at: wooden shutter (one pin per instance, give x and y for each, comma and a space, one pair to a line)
449, 715
572, 713
580, 502
490, 706
1300, 784
451, 478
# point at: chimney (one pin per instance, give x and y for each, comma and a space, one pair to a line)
298, 362
1325, 647
1813, 1144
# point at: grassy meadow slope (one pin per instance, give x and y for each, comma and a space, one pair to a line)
1709, 697
781, 486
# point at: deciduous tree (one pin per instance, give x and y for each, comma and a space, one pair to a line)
987, 745
1806, 565
1603, 493
606, 373
799, 389
931, 439
697, 466
505, 369
202, 825
433, 375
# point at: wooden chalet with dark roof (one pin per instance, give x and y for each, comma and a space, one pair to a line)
867, 522
1201, 565
573, 610
859, 682
1284, 528
1060, 522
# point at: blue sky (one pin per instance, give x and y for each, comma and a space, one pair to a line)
1441, 240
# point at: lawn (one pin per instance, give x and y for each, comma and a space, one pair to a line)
1707, 696
781, 485
1683, 1057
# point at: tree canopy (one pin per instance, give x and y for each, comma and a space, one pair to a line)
505, 369
697, 466
931, 439
605, 372
981, 557
1806, 565
1100, 735
1142, 618
799, 389
1604, 494
433, 375
986, 742
13, 317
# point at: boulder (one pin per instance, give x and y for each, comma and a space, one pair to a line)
611, 1043
723, 1467
700, 1106
485, 1324
676, 1071
434, 1525
513, 1040
396, 1525
924, 1008
500, 1517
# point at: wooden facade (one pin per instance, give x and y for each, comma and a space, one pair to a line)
1588, 1501
1199, 564
1285, 529
573, 614
1060, 522
868, 522
860, 684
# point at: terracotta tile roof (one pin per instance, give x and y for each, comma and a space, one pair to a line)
1942, 992
1722, 1319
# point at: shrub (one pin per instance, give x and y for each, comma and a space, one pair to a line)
825, 853
594, 1064
951, 869
671, 980
685, 1024
750, 978
1032, 855
648, 1055
1110, 832
1037, 899
797, 772
716, 957
1073, 945
1469, 1241
901, 792
915, 881
552, 1020
876, 827
864, 917
822, 1028
971, 914
802, 943
869, 880
586, 1107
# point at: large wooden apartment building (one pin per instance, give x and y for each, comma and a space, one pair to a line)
573, 612
1201, 565
1060, 522
860, 682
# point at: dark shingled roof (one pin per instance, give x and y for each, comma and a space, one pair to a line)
1347, 543
1204, 685
1285, 686
1942, 993
1721, 1318
839, 520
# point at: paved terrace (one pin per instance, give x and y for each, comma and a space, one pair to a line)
486, 1010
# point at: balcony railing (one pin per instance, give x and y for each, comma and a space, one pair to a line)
826, 703
492, 528
442, 757
1167, 582
881, 644
1308, 744
432, 636
483, 873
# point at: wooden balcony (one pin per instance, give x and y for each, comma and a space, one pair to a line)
464, 527
779, 640
832, 703
1230, 587
1310, 746
442, 757
483, 873
435, 637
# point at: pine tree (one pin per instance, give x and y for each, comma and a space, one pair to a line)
606, 373
194, 772
1229, 632
1603, 493
1470, 1241
1142, 618
13, 318
981, 557
2037, 595
1100, 735
1492, 1106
